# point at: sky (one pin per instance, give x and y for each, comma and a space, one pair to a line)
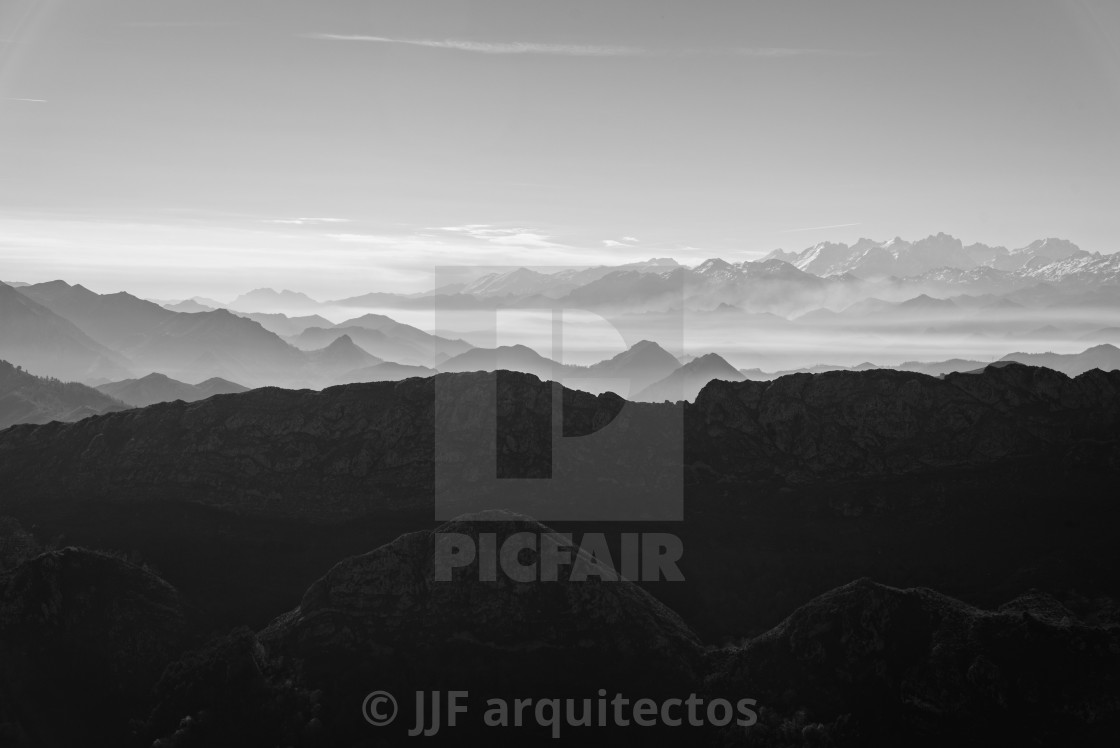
174, 148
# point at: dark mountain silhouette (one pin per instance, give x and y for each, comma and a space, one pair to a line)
793, 487
447, 631
25, 398
827, 427
108, 626
1010, 411
868, 664
33, 336
158, 388
686, 381
861, 664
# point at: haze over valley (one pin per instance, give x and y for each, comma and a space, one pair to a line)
934, 305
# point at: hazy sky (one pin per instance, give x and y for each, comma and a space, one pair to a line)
180, 147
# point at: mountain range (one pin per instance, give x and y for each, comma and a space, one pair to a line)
899, 258
821, 509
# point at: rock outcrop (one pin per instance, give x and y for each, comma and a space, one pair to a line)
84, 637
355, 449
867, 664
385, 612
845, 425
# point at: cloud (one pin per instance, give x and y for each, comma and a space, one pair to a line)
582, 50
306, 221
622, 241
505, 236
497, 48
379, 239
32, 101
817, 228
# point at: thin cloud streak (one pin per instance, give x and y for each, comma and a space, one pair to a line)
580, 50
32, 101
497, 48
818, 228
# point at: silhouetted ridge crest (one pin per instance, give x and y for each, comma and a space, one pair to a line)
353, 449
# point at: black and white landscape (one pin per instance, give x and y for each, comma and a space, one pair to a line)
328, 330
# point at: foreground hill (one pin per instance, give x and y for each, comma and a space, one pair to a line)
26, 398
94, 634
863, 664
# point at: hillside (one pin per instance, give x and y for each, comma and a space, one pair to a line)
798, 428
33, 336
25, 398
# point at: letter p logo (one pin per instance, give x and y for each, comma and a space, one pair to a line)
515, 431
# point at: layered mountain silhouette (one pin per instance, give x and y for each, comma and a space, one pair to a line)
686, 382
26, 398
342, 355
385, 372
158, 388
509, 357
286, 326
1105, 357
190, 306
269, 300
385, 339
636, 368
188, 346
35, 337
